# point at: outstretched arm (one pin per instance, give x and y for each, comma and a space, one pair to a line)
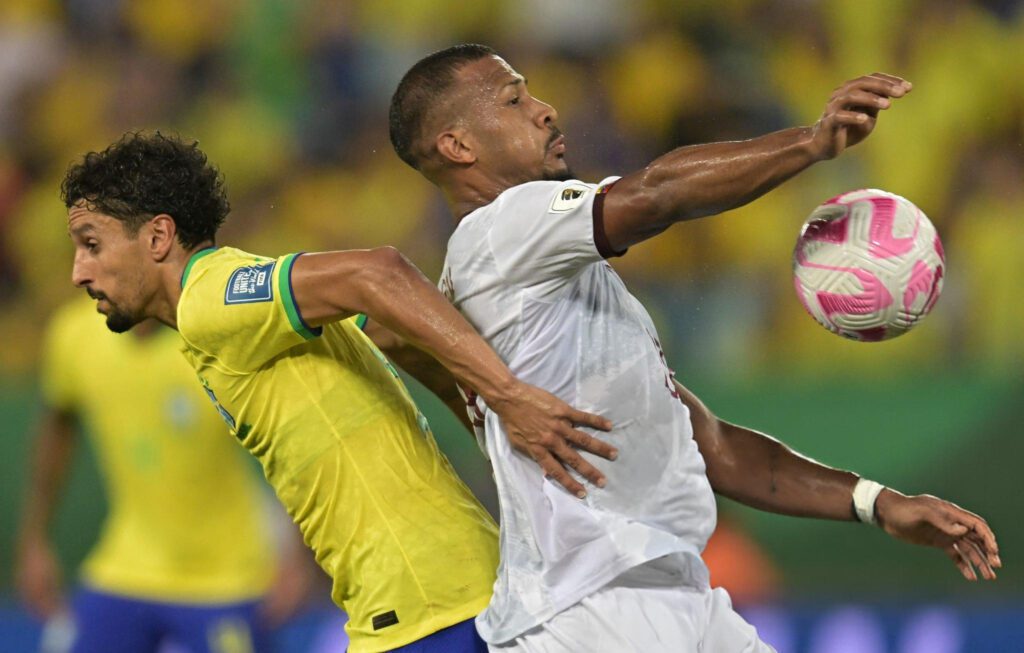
761, 472
37, 571
420, 366
700, 180
381, 283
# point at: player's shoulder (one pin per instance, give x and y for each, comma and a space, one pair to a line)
218, 277
555, 195
530, 198
215, 271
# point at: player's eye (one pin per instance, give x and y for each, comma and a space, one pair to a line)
92, 245
514, 100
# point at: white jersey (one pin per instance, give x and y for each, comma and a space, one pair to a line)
525, 270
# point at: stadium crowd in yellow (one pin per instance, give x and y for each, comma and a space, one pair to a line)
290, 99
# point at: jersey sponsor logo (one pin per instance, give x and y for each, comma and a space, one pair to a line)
389, 618
569, 198
250, 284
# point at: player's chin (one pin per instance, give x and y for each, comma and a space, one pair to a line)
558, 170
119, 322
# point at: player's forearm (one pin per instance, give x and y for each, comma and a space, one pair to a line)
51, 456
420, 366
700, 180
400, 298
384, 285
759, 471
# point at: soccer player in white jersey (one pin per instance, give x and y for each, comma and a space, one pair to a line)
620, 570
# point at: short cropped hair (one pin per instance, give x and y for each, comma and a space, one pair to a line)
143, 175
419, 91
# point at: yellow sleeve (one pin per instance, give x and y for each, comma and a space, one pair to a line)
57, 369
245, 314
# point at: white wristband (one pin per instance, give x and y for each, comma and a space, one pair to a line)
864, 495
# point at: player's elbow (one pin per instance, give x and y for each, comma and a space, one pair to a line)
637, 209
385, 270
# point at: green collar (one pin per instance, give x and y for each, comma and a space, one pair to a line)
192, 261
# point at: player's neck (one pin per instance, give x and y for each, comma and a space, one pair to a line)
469, 192
145, 329
164, 305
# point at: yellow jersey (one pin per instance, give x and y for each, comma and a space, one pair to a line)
185, 516
409, 548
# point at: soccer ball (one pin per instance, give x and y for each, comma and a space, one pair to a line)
868, 265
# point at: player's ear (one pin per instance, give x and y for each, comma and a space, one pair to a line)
454, 146
162, 233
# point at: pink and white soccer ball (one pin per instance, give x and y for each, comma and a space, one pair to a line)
868, 265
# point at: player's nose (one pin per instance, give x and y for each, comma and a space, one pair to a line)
80, 275
546, 114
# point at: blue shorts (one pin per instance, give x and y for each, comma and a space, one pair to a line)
460, 638
111, 623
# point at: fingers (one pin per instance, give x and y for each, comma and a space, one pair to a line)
975, 543
590, 444
967, 556
850, 118
569, 456
974, 554
984, 549
880, 84
556, 472
894, 80
866, 95
961, 562
858, 97
581, 418
555, 457
981, 533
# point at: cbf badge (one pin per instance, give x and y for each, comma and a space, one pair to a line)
250, 284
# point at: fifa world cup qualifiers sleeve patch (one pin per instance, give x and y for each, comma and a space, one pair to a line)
569, 198
604, 248
253, 283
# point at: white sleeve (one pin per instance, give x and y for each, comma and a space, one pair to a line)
544, 232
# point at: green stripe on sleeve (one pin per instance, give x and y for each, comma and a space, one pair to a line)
361, 321
284, 288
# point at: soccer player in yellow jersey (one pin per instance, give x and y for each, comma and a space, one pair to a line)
278, 346
184, 554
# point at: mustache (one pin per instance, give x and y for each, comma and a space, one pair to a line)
555, 134
95, 294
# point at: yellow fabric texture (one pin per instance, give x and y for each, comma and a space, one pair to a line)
349, 455
185, 520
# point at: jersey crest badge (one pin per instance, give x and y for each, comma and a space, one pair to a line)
569, 198
250, 284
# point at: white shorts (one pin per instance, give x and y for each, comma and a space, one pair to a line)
632, 614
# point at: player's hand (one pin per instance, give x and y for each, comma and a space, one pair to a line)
541, 426
38, 579
965, 537
852, 111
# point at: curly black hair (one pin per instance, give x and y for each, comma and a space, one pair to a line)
143, 175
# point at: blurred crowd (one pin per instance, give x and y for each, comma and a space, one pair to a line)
289, 98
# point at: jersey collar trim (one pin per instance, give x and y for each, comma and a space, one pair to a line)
192, 261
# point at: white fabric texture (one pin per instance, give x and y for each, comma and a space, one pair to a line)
525, 271
640, 613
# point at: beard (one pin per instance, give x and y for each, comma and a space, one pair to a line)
119, 322
559, 175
